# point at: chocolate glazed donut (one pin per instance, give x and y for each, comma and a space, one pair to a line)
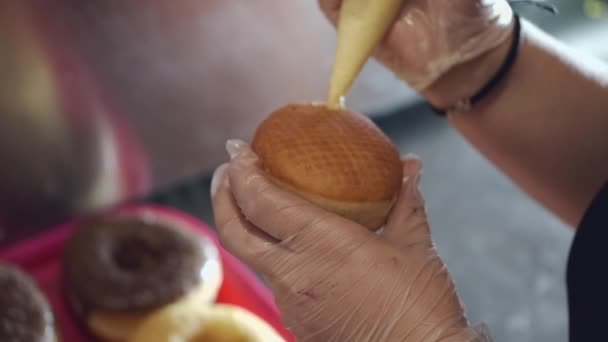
130, 265
25, 315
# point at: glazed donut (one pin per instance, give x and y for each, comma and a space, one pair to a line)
25, 314
120, 269
188, 322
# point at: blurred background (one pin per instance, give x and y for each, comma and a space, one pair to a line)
108, 101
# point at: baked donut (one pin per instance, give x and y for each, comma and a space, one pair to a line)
188, 322
25, 314
334, 158
118, 270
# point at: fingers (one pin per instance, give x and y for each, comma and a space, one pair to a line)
331, 9
407, 223
237, 235
274, 231
281, 214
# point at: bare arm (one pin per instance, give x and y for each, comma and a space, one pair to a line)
545, 126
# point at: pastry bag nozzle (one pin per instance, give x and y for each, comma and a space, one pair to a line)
361, 26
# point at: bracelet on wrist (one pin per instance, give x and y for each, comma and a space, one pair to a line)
465, 105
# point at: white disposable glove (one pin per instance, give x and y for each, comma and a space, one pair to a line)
430, 37
334, 280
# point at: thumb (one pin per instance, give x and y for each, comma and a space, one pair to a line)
407, 223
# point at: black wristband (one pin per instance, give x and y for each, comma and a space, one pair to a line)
500, 74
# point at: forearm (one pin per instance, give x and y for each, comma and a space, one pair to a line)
545, 126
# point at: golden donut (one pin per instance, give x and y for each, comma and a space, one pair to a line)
116, 326
336, 159
189, 322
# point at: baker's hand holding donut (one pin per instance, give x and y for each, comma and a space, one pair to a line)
541, 121
335, 280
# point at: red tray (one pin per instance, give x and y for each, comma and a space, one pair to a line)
40, 256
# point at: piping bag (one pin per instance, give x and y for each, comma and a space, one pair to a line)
361, 26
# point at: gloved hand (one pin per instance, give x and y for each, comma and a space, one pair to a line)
334, 280
432, 36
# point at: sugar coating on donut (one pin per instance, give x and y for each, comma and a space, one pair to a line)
25, 315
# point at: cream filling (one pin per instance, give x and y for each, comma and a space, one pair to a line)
361, 26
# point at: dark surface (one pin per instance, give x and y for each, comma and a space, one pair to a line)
507, 254
587, 281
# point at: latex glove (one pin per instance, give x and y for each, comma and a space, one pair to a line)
334, 280
430, 37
